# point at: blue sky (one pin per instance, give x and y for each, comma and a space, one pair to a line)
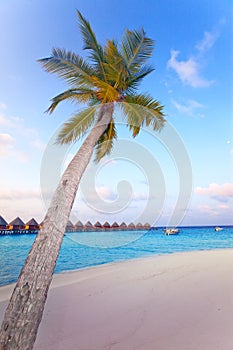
193, 80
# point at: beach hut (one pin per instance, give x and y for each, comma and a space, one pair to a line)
131, 226
106, 226
79, 226
69, 226
115, 226
32, 225
40, 225
16, 224
123, 226
98, 226
3, 223
88, 226
139, 226
147, 226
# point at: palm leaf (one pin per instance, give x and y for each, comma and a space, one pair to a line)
136, 48
142, 109
91, 44
70, 67
104, 91
115, 69
134, 80
77, 126
74, 95
105, 142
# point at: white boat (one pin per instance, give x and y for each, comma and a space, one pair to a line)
171, 231
217, 228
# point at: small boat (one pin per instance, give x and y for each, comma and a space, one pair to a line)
171, 231
217, 228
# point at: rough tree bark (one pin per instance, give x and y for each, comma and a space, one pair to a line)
24, 312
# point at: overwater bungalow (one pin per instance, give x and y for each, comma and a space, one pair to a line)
139, 226
147, 226
106, 226
115, 226
131, 226
123, 226
16, 224
32, 225
69, 226
79, 226
88, 226
3, 223
98, 226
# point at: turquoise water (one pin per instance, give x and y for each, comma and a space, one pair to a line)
81, 250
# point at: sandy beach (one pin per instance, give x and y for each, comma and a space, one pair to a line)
172, 302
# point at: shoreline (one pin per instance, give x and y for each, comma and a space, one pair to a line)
6, 290
166, 302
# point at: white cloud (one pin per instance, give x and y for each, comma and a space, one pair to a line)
5, 121
38, 144
7, 148
15, 194
189, 108
16, 127
106, 193
207, 41
16, 124
221, 193
2, 105
231, 151
188, 71
223, 207
206, 209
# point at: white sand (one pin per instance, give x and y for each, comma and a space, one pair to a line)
173, 302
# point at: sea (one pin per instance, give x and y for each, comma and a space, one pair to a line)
81, 250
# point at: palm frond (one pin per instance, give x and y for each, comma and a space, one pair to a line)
136, 48
105, 142
91, 44
104, 91
74, 95
134, 116
70, 67
142, 109
77, 126
115, 69
134, 80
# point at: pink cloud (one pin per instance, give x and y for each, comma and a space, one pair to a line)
220, 192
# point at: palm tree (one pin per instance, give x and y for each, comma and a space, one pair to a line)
109, 78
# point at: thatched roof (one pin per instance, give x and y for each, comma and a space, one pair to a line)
69, 224
88, 224
32, 222
17, 222
2, 221
131, 225
139, 225
115, 224
123, 224
147, 225
106, 224
98, 224
79, 224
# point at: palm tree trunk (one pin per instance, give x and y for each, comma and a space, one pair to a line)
24, 312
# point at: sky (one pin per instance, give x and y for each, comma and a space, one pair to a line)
180, 176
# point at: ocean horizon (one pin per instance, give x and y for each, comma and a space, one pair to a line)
85, 249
